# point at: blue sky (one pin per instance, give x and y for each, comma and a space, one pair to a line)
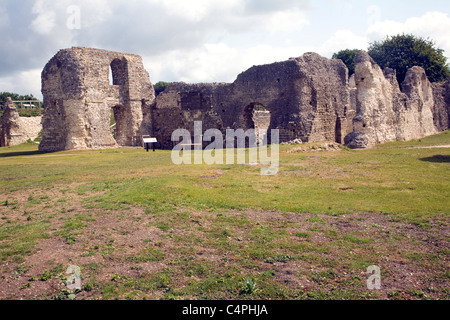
203, 40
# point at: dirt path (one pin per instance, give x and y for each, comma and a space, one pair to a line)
433, 147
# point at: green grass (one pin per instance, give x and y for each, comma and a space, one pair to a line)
17, 241
226, 231
148, 254
354, 239
390, 179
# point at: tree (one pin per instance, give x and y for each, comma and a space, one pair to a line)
348, 57
15, 96
160, 87
32, 112
405, 51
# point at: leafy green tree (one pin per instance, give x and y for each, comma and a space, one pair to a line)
160, 87
36, 111
405, 51
15, 96
348, 57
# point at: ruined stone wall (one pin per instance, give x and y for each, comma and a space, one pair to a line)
30, 127
441, 111
180, 105
261, 120
308, 98
384, 111
311, 98
419, 120
78, 99
15, 130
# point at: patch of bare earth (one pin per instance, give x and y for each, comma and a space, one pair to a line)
413, 259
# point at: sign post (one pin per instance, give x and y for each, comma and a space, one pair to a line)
148, 141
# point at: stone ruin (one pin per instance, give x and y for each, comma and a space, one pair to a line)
309, 99
15, 130
306, 98
80, 100
385, 112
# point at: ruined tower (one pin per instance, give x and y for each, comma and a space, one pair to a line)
15, 130
86, 91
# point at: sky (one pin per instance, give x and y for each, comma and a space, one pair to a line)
203, 40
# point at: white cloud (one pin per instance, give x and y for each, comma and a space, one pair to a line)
92, 12
207, 63
221, 62
25, 82
433, 25
216, 62
193, 41
374, 15
45, 20
194, 10
4, 16
293, 20
342, 39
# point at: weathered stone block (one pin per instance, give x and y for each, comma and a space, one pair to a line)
80, 100
15, 130
357, 140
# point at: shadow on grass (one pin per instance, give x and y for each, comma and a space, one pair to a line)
437, 158
21, 153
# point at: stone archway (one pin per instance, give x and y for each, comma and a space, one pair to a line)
257, 117
122, 111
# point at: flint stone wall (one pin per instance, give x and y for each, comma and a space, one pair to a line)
309, 99
15, 130
78, 99
384, 112
441, 112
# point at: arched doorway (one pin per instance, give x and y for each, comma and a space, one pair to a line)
257, 117
118, 72
113, 123
118, 77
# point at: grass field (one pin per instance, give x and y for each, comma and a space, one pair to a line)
139, 227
